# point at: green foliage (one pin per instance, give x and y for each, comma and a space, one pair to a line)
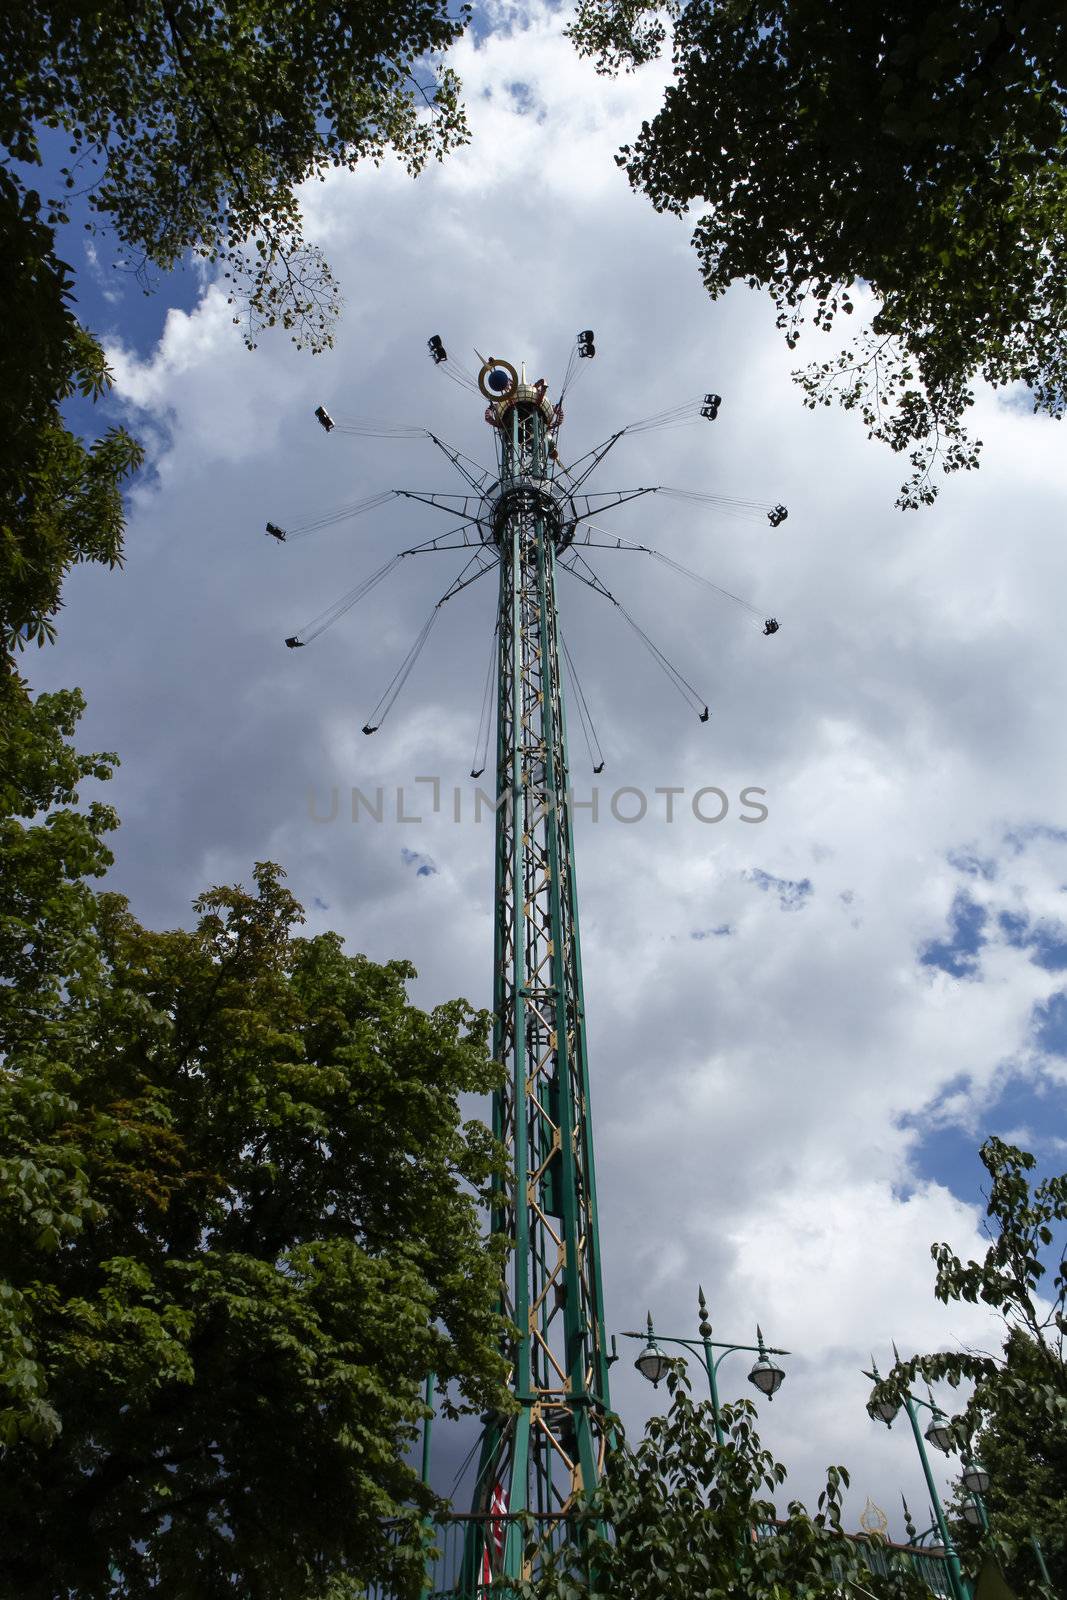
678, 1518
60, 501
239, 1225
1016, 1418
48, 848
917, 149
190, 127
194, 124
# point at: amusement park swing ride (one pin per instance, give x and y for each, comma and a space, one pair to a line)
528, 518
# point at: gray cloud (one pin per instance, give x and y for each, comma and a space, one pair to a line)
749, 1091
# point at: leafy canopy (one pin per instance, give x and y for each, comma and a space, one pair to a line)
919, 150
679, 1518
190, 127
192, 124
1015, 1421
239, 1226
60, 500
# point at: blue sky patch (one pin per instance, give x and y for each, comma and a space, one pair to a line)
1050, 1024
957, 954
424, 867
792, 892
521, 97
1047, 941
948, 1155
721, 932
1019, 838
109, 298
1026, 1112
974, 865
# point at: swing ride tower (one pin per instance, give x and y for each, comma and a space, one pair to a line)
529, 521
552, 1448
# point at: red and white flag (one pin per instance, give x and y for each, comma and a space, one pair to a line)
498, 1510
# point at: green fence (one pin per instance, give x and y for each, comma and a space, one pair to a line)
880, 1556
456, 1572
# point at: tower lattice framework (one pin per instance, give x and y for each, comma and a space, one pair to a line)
533, 519
553, 1448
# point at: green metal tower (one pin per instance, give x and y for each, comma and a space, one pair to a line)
553, 1448
530, 520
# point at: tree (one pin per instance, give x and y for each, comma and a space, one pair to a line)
1015, 1421
239, 1226
60, 501
49, 850
918, 150
678, 1518
191, 127
194, 124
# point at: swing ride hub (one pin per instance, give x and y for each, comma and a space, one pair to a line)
529, 500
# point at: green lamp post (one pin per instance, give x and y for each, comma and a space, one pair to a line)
941, 1435
976, 1482
974, 1477
652, 1364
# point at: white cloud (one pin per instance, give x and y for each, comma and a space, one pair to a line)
749, 1089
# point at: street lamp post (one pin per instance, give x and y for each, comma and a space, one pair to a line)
941, 1436
427, 1521
765, 1374
976, 1482
975, 1476
1039, 1553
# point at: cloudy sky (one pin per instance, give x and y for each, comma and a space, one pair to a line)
800, 1029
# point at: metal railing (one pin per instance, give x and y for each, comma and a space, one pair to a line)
455, 1571
880, 1555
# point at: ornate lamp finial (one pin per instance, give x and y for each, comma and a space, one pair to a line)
909, 1526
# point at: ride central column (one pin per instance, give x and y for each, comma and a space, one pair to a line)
552, 1449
